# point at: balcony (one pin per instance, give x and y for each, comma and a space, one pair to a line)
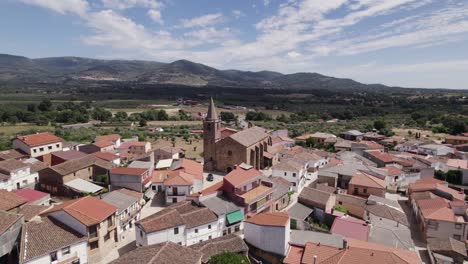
93, 236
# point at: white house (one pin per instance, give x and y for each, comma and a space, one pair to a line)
435, 150
63, 245
291, 171
182, 223
39, 144
15, 174
230, 216
269, 232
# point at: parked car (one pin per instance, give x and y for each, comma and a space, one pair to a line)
210, 177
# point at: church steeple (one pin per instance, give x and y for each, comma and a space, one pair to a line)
212, 115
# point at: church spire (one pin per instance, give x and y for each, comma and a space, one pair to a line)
211, 111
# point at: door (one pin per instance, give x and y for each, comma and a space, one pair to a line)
17, 185
174, 190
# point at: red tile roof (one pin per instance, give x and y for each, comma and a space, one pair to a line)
103, 144
30, 195
350, 227
111, 137
87, 210
212, 189
107, 156
362, 179
128, 171
294, 255
270, 219
371, 144
69, 154
189, 166
179, 179
159, 176
39, 139
382, 156
10, 200
239, 176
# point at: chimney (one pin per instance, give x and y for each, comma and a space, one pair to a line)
345, 243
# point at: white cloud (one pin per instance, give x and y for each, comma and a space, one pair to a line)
202, 21
266, 2
125, 4
237, 13
210, 34
78, 7
293, 54
155, 15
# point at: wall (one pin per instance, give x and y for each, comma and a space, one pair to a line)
224, 160
130, 182
204, 233
444, 229
143, 239
79, 250
37, 150
273, 239
10, 236
298, 180
365, 191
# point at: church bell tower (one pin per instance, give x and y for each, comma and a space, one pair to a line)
211, 134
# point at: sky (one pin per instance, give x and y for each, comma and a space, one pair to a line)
408, 43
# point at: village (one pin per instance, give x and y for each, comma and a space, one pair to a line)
261, 195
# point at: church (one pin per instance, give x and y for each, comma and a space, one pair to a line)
223, 148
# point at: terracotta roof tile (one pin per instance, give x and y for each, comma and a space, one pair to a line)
110, 137
213, 247
350, 227
294, 255
179, 179
30, 195
314, 198
107, 156
159, 176
128, 171
30, 211
212, 189
270, 219
69, 154
363, 179
10, 200
382, 156
103, 144
38, 139
189, 166
250, 136
7, 220
239, 176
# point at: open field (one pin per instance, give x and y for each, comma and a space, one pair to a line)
425, 134
193, 150
173, 123
13, 130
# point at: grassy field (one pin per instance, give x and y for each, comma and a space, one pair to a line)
425, 134
193, 150
13, 130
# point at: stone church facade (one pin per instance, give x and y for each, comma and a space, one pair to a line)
224, 148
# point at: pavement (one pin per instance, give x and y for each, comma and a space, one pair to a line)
217, 177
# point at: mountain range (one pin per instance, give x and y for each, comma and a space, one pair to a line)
57, 70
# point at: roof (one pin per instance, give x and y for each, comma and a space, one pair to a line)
387, 232
437, 209
120, 200
159, 176
107, 156
30, 195
281, 187
353, 133
103, 144
382, 156
280, 219
387, 212
12, 165
141, 164
315, 198
448, 244
42, 237
12, 154
351, 199
458, 163
294, 255
189, 166
371, 144
301, 237
165, 163
239, 176
198, 217
363, 179
87, 210
350, 227
110, 137
164, 253
74, 165
7, 220
10, 200
211, 115
83, 186
38, 139
256, 193
325, 188
220, 205
69, 154
29, 211
422, 185
299, 211
36, 165
179, 179
219, 245
128, 171
288, 165
209, 190
249, 136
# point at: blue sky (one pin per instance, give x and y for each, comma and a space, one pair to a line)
410, 43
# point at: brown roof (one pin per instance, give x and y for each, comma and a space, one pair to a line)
270, 219
239, 176
325, 188
256, 193
7, 220
212, 189
87, 210
382, 156
42, 237
107, 156
161, 220
313, 197
445, 245
136, 194
351, 199
69, 154
363, 179
211, 115
12, 154
29, 211
39, 139
250, 136
162, 253
159, 176
436, 209
74, 165
288, 165
371, 144
103, 144
12, 165
179, 179
213, 247
111, 137
199, 217
387, 212
189, 166
421, 186
9, 200
128, 171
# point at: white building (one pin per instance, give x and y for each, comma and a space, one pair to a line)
435, 150
181, 223
39, 144
291, 171
43, 241
15, 174
269, 232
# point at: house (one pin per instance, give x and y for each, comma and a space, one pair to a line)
458, 164
372, 136
80, 187
39, 144
101, 146
435, 150
281, 193
447, 250
244, 186
382, 159
10, 202
299, 213
140, 148
12, 154
456, 140
179, 184
129, 204
284, 141
246, 146
291, 171
183, 223
58, 157
354, 205
10, 230
353, 135
230, 216
46, 240
33, 196
52, 179
164, 252
32, 211
342, 144
15, 174
148, 165
340, 174
350, 227
362, 145
168, 153
352, 251
268, 232
107, 156
363, 184
321, 138
92, 218
136, 179
230, 243
437, 187
322, 202
114, 138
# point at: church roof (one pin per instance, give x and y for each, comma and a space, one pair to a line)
249, 136
212, 115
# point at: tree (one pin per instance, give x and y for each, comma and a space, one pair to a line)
143, 123
227, 116
162, 115
121, 115
101, 114
379, 124
229, 258
31, 107
45, 105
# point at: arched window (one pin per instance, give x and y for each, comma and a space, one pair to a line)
229, 153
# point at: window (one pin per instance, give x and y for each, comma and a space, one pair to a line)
41, 149
92, 231
53, 256
77, 261
35, 179
294, 174
285, 174
196, 231
109, 221
35, 150
237, 228
176, 231
201, 240
65, 250
365, 190
229, 153
209, 237
340, 203
94, 245
209, 226
141, 233
49, 147
180, 243
58, 145
458, 226
224, 233
457, 237
356, 190
153, 187
106, 237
